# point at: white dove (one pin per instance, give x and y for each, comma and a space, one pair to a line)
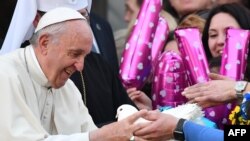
186, 111
126, 110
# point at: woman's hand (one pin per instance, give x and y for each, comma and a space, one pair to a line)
141, 100
218, 90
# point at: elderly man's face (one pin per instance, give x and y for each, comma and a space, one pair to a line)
66, 54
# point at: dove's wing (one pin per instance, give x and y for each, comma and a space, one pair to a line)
186, 111
126, 110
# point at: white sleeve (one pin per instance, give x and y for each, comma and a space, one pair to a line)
18, 123
73, 137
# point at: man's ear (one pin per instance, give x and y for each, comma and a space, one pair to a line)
43, 43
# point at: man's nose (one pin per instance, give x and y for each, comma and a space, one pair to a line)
79, 64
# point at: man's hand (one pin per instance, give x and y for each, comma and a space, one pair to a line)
119, 131
160, 129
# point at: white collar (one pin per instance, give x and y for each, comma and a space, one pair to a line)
34, 68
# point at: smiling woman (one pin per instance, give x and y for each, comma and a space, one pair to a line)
214, 35
217, 32
219, 19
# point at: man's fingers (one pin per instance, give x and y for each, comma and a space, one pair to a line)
144, 131
137, 115
139, 139
152, 115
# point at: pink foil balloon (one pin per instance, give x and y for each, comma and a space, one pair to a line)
233, 65
231, 54
192, 51
191, 48
159, 41
169, 81
235, 53
136, 58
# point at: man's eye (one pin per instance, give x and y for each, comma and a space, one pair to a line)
74, 54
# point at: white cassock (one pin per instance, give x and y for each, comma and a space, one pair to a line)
32, 112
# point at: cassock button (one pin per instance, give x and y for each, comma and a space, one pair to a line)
98, 27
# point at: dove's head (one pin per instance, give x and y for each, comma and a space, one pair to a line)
124, 111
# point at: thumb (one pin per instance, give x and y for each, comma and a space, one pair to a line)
215, 76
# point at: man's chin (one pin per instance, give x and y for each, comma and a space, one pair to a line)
59, 85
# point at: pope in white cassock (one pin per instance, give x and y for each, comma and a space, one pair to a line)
37, 99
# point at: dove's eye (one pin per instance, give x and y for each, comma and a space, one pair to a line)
120, 109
